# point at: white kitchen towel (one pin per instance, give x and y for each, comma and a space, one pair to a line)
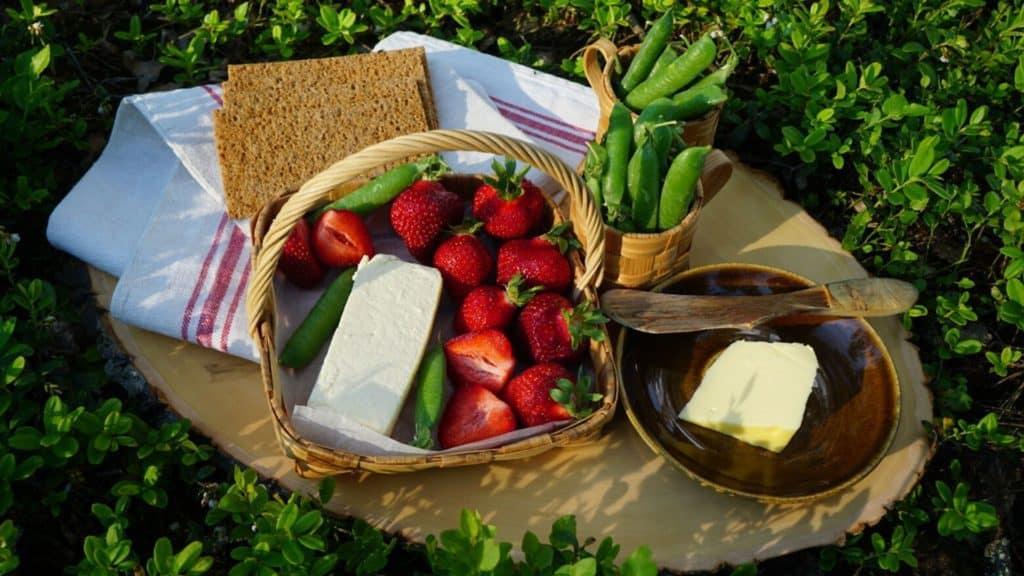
150, 210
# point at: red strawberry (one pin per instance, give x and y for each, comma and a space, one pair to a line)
474, 413
421, 213
297, 262
484, 357
509, 205
464, 262
553, 330
340, 239
492, 306
529, 394
541, 260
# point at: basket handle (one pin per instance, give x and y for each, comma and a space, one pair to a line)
584, 215
594, 71
716, 173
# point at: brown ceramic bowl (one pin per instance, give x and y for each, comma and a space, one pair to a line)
851, 416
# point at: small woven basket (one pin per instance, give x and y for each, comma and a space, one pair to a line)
699, 132
273, 224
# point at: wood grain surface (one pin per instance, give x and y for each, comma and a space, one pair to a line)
616, 485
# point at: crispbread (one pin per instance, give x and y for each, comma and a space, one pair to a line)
283, 122
266, 152
298, 77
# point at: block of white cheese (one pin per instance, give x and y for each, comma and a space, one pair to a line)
755, 392
373, 356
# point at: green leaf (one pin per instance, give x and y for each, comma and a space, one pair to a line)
187, 558
326, 490
162, 554
308, 522
286, 519
490, 554
25, 438
563, 533
639, 563
292, 553
878, 543
40, 60
923, 156
1015, 290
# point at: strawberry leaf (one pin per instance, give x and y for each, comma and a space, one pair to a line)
433, 167
515, 293
506, 180
577, 398
584, 321
561, 236
468, 226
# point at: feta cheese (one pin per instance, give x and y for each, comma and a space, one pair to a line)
755, 392
374, 353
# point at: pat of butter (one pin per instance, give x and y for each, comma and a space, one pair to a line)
373, 356
755, 392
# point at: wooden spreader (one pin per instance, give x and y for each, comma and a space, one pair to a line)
614, 485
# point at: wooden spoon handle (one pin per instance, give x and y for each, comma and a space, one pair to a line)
870, 297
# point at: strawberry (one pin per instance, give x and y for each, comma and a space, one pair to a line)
464, 261
297, 262
552, 330
474, 413
484, 357
341, 239
529, 394
421, 212
509, 205
541, 260
492, 306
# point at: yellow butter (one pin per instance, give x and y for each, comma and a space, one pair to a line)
755, 392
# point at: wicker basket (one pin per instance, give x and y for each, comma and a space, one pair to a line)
641, 260
699, 132
273, 224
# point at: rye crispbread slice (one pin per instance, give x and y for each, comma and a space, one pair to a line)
264, 153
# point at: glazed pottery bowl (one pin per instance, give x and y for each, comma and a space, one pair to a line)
849, 422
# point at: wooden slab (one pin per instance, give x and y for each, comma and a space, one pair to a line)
615, 486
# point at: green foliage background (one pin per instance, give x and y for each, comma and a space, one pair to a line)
896, 124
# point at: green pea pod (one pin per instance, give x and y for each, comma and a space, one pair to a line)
697, 101
617, 143
675, 76
660, 111
680, 184
593, 169
650, 49
668, 55
662, 136
718, 77
380, 190
429, 397
319, 324
644, 175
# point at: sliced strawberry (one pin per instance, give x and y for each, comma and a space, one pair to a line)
474, 413
541, 260
341, 239
484, 357
529, 394
297, 262
492, 307
509, 205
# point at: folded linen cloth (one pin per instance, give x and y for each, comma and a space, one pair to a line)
151, 209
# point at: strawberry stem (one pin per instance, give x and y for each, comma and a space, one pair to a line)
468, 226
584, 321
433, 167
577, 398
516, 295
507, 182
561, 236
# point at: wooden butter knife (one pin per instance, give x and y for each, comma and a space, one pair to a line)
659, 313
